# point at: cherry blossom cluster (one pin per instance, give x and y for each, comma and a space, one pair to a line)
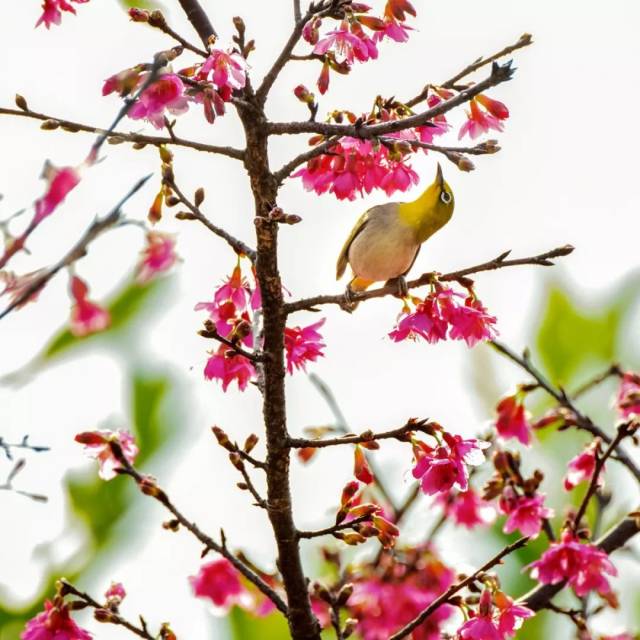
348, 42
52, 11
233, 313
354, 166
443, 314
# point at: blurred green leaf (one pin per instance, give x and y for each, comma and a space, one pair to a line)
140, 4
244, 626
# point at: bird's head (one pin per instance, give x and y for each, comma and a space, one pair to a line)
441, 195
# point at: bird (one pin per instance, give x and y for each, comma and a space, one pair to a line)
386, 239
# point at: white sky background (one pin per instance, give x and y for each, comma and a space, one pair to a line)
567, 173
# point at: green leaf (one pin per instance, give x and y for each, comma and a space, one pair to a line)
244, 626
140, 4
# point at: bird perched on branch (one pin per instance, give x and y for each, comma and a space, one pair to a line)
385, 241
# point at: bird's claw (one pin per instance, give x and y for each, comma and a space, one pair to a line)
401, 283
349, 303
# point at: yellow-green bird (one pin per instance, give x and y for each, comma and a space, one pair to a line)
385, 241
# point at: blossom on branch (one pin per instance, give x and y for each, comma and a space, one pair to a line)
219, 581
582, 467
302, 345
52, 11
60, 181
513, 419
54, 623
167, 93
466, 508
583, 566
97, 445
226, 365
628, 400
485, 114
86, 317
157, 257
524, 512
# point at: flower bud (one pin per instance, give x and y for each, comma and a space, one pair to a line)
171, 525
21, 103
104, 615
222, 438
50, 125
344, 594
350, 538
138, 15
149, 487
322, 592
250, 443
157, 19
350, 625
464, 164
236, 461
198, 196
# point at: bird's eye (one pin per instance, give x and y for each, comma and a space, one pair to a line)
445, 196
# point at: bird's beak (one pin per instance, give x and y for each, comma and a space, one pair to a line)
439, 177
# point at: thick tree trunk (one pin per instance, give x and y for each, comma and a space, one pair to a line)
302, 623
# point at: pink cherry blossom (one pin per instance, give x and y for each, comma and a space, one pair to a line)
382, 604
226, 366
426, 322
303, 345
123, 82
86, 317
524, 513
157, 257
227, 71
115, 592
582, 467
583, 566
628, 400
491, 622
97, 445
441, 468
16, 286
466, 508
165, 94
513, 419
471, 322
51, 11
480, 121
361, 468
349, 44
219, 581
54, 623
60, 181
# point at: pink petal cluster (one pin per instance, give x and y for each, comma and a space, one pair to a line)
16, 286
354, 167
54, 623
582, 467
60, 181
485, 114
382, 604
466, 508
97, 446
583, 566
497, 618
513, 419
166, 94
524, 513
115, 592
348, 42
444, 466
52, 11
227, 366
303, 345
628, 400
440, 315
86, 317
219, 581
157, 257
394, 26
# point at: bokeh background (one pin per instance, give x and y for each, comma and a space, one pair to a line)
567, 174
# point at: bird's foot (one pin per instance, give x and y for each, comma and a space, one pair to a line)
401, 283
349, 305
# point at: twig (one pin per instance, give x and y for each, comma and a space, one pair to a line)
454, 588
110, 616
499, 74
237, 245
613, 370
119, 136
623, 431
8, 483
23, 444
260, 501
249, 355
582, 421
160, 495
297, 13
539, 597
543, 259
79, 250
401, 433
158, 21
334, 529
199, 19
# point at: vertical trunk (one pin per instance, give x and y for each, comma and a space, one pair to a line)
302, 622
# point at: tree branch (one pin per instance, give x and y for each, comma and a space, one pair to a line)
297, 13
334, 529
249, 355
401, 433
158, 21
199, 19
524, 41
540, 596
108, 615
454, 588
237, 245
543, 259
151, 489
79, 250
499, 74
582, 421
117, 136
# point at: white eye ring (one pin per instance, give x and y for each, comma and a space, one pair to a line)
445, 197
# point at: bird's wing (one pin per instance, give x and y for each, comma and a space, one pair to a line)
343, 258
